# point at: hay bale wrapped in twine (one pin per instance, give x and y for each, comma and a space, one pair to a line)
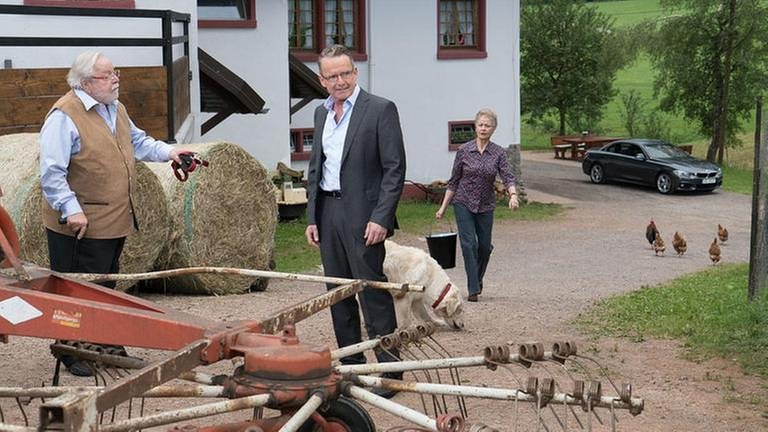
224, 215
20, 179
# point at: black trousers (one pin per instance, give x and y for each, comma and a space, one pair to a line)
344, 254
87, 255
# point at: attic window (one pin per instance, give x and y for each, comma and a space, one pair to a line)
461, 29
316, 24
226, 13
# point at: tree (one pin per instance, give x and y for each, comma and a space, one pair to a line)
570, 54
711, 60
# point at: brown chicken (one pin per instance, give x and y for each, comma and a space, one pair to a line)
722, 233
658, 245
679, 243
714, 252
650, 233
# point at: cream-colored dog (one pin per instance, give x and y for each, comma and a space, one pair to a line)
440, 302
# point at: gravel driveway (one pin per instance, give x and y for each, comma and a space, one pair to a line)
541, 275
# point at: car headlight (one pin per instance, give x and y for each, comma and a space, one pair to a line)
684, 174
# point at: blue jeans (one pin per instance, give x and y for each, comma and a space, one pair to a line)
475, 237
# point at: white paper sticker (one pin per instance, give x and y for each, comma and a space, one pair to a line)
16, 310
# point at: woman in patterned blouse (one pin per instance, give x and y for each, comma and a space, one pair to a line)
471, 189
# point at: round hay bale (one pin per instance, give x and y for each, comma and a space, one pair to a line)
20, 179
224, 215
153, 216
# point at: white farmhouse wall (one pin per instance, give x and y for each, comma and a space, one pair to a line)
260, 57
403, 66
72, 26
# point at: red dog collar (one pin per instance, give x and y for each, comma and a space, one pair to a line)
442, 295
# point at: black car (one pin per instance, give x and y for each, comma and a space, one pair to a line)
653, 163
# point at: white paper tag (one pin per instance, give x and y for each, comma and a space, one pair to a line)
16, 310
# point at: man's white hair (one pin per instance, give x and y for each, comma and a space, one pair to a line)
82, 68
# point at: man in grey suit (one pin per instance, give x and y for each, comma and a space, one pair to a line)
355, 180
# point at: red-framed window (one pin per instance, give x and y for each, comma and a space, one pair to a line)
226, 13
316, 24
301, 143
100, 4
461, 29
459, 132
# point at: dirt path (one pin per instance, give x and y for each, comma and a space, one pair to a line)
542, 275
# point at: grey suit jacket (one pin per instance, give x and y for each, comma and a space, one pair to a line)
372, 163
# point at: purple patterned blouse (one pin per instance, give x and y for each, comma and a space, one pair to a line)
474, 173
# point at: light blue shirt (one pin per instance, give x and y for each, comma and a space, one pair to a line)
334, 135
60, 140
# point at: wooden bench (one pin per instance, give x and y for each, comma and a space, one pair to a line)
563, 149
560, 150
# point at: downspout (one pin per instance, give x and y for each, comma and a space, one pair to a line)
369, 36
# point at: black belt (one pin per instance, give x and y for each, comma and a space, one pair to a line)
333, 194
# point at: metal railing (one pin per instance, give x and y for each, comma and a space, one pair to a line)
166, 41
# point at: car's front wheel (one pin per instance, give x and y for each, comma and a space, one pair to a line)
665, 183
597, 174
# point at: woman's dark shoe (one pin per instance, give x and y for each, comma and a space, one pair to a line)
472, 298
481, 289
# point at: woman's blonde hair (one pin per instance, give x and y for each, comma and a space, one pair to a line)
487, 112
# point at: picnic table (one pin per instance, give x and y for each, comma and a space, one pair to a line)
573, 147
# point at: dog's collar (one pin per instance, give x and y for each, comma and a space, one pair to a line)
442, 295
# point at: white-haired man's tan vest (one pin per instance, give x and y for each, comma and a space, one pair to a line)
102, 175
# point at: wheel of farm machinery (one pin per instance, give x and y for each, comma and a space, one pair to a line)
342, 415
6, 226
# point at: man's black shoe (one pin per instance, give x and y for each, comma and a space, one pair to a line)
392, 375
385, 393
77, 367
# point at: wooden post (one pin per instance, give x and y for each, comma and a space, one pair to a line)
758, 250
515, 163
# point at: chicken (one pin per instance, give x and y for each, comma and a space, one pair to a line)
722, 233
679, 243
650, 232
714, 252
658, 244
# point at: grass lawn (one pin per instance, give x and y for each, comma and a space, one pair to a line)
708, 311
630, 12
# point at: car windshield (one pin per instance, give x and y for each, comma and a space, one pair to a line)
664, 151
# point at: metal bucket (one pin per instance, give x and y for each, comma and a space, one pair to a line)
442, 247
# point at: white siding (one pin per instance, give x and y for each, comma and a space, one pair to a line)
260, 57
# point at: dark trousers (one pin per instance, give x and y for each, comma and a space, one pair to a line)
475, 237
344, 254
87, 255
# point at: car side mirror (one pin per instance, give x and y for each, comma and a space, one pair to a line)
640, 156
